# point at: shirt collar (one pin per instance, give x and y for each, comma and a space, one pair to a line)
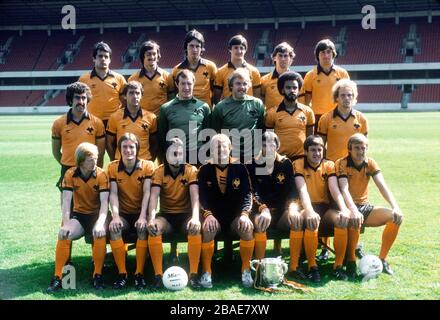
143, 73
320, 69
243, 65
275, 74
94, 74
121, 166
127, 113
350, 163
282, 107
185, 64
167, 170
336, 113
78, 173
70, 116
176, 100
308, 165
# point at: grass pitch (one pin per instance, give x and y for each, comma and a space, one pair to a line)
406, 146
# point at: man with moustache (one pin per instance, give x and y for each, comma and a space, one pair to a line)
292, 121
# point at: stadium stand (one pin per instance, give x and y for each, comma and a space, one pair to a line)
429, 42
426, 93
379, 94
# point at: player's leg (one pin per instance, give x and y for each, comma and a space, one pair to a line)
380, 216
294, 220
194, 241
118, 249
210, 228
332, 219
247, 244
311, 246
72, 230
260, 235
141, 256
156, 249
98, 251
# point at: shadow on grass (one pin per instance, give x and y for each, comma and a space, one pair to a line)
27, 280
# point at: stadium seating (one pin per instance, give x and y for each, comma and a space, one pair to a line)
429, 42
426, 93
379, 94
20, 98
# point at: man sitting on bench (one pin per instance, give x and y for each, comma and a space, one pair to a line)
176, 183
314, 178
130, 182
226, 203
275, 195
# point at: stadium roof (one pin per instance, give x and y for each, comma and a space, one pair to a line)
37, 12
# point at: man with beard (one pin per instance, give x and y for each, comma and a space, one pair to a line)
292, 121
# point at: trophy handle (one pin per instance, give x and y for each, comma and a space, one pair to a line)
285, 267
256, 263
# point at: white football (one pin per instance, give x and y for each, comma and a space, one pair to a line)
175, 278
371, 266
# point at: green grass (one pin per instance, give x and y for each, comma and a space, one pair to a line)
406, 146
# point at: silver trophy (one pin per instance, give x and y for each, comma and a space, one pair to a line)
270, 270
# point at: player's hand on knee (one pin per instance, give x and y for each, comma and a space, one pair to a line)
141, 224
356, 219
99, 231
193, 226
296, 221
343, 219
116, 225
263, 220
312, 221
245, 224
397, 216
153, 228
210, 224
64, 233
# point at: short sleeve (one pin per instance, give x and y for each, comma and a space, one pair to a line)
364, 125
100, 130
112, 126
56, 129
330, 169
310, 117
67, 183
192, 175
323, 125
298, 168
341, 168
111, 171
153, 123
270, 119
148, 169
103, 182
256, 78
373, 167
218, 82
157, 177
308, 82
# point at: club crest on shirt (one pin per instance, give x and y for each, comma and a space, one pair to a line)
236, 183
161, 84
144, 126
96, 187
280, 178
90, 130
184, 182
206, 74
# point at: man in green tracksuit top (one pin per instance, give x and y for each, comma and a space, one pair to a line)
241, 115
187, 114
